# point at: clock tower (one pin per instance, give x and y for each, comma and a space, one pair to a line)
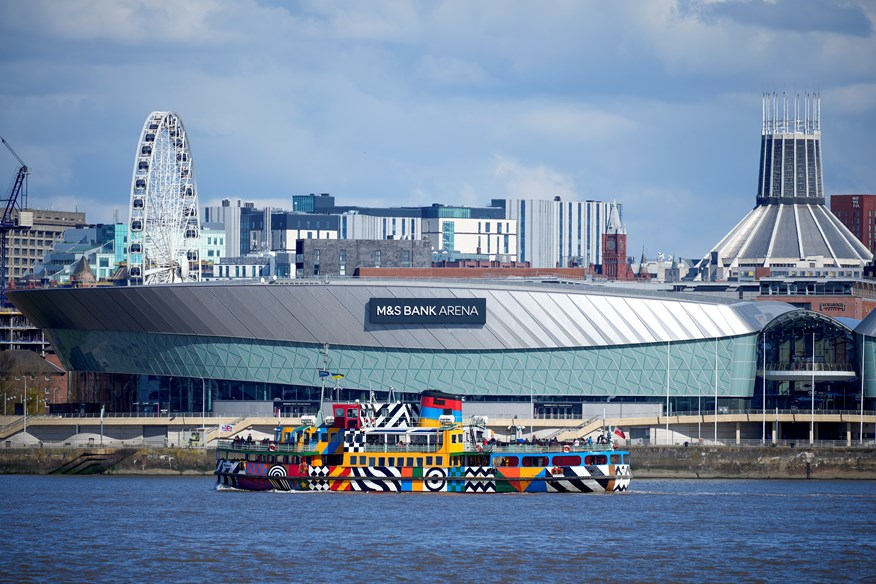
614, 248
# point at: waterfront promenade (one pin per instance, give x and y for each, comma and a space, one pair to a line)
732, 428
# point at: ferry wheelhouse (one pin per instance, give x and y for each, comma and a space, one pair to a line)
401, 448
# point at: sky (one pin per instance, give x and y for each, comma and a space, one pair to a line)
653, 103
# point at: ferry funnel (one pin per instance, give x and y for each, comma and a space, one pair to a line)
435, 405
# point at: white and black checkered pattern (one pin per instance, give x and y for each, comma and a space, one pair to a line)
354, 441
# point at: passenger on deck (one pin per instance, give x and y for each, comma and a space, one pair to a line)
249, 438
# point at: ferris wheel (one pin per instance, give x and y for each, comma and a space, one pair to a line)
163, 224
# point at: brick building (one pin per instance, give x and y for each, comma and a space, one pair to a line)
858, 214
341, 257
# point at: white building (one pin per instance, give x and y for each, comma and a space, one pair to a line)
496, 238
561, 233
357, 226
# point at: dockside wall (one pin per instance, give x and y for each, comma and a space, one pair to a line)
647, 462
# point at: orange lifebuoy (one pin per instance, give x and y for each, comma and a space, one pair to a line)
272, 447
567, 448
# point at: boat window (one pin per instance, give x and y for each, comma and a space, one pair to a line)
352, 413
428, 461
362, 460
391, 461
567, 460
339, 412
419, 462
410, 461
596, 459
371, 461
439, 460
615, 459
381, 461
535, 461
508, 461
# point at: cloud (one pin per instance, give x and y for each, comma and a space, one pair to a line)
655, 103
539, 182
846, 18
852, 99
450, 71
129, 22
573, 123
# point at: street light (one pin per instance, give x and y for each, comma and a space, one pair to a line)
812, 401
763, 405
24, 407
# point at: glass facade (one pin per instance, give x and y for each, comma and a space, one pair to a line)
799, 349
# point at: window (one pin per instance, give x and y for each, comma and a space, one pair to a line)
371, 461
362, 460
406, 258
535, 461
428, 461
447, 235
377, 258
342, 262
410, 461
439, 460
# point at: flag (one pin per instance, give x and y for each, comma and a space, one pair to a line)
227, 427
337, 375
619, 434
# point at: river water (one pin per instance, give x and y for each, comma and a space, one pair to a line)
180, 529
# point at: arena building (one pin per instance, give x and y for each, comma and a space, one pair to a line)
280, 347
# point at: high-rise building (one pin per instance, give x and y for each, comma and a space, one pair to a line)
27, 246
557, 233
247, 229
790, 232
858, 214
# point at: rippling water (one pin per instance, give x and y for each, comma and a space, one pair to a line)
157, 529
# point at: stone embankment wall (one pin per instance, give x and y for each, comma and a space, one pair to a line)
647, 462
754, 463
151, 461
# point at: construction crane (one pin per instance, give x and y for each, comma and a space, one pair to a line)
14, 200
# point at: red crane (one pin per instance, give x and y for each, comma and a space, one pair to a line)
14, 200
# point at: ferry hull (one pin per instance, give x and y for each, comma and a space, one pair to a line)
279, 477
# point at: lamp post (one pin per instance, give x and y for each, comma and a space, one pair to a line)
24, 407
863, 366
716, 390
812, 398
667, 393
763, 405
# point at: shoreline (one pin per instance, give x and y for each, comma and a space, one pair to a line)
647, 462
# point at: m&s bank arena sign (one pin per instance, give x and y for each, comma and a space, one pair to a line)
428, 310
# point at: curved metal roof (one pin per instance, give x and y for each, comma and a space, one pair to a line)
868, 325
519, 316
778, 233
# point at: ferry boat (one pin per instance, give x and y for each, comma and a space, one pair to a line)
399, 447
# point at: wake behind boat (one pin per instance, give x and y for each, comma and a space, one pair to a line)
401, 448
